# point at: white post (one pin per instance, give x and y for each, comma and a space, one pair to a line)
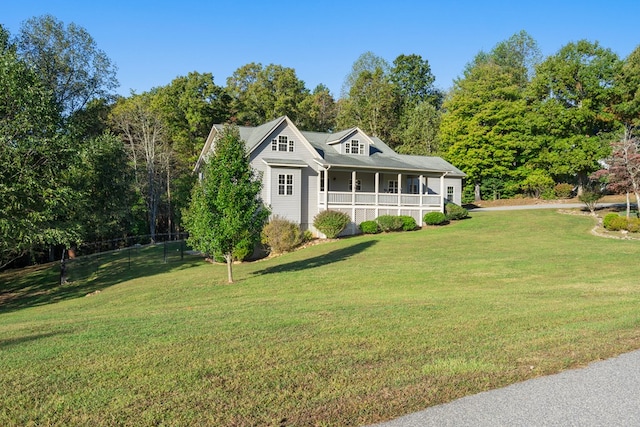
326, 189
353, 196
442, 192
377, 190
399, 191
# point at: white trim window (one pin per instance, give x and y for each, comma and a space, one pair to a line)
450, 193
358, 185
392, 186
285, 184
282, 144
322, 181
354, 147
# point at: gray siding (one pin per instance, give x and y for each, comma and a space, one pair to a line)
306, 186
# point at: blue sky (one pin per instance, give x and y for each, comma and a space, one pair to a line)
152, 42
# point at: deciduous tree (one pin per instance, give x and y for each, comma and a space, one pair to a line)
572, 92
67, 60
225, 210
259, 94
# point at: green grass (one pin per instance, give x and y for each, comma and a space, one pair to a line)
343, 333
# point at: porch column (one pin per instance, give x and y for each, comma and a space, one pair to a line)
353, 195
420, 188
326, 189
442, 192
377, 190
399, 191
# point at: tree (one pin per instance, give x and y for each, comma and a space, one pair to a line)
142, 129
103, 179
67, 60
259, 94
414, 80
369, 62
318, 111
225, 210
571, 94
623, 172
420, 135
35, 199
187, 108
372, 105
483, 128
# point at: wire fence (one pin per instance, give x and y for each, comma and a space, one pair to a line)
119, 256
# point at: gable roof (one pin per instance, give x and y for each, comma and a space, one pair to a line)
321, 144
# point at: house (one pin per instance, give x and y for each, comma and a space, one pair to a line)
304, 173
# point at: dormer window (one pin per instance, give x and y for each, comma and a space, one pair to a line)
282, 144
354, 147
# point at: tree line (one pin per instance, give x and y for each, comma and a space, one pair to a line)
80, 164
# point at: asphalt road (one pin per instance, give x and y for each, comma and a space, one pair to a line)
605, 393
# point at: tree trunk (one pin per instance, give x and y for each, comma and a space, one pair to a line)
63, 269
583, 180
476, 191
229, 259
628, 205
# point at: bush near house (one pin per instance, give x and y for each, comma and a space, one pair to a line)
369, 227
408, 223
281, 235
454, 212
435, 218
331, 223
389, 223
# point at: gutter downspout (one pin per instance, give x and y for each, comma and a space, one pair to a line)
442, 191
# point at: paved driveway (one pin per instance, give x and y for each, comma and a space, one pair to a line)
604, 393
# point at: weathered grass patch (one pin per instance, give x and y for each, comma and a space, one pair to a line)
349, 332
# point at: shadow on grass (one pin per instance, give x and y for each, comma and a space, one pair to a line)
35, 286
320, 260
4, 343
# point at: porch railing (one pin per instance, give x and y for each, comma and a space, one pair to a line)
379, 199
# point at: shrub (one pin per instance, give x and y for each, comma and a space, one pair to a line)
548, 194
563, 190
608, 219
435, 218
590, 198
281, 235
618, 223
455, 212
537, 182
369, 227
331, 223
633, 225
408, 223
307, 236
390, 223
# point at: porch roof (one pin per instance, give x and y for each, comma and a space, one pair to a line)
380, 157
290, 163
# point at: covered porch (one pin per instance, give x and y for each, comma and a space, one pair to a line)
381, 189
